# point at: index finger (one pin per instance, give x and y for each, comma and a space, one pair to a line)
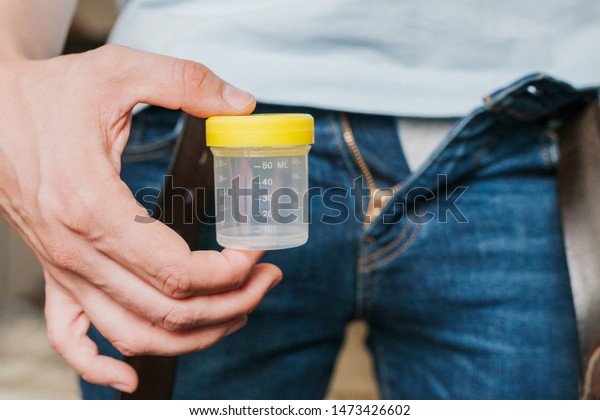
159, 256
170, 82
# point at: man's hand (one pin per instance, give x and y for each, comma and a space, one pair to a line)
63, 125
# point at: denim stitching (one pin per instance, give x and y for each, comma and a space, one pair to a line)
378, 264
401, 235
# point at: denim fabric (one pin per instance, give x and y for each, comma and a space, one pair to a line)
462, 277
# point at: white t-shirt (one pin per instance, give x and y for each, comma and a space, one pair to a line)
432, 58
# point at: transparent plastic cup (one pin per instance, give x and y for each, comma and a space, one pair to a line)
261, 179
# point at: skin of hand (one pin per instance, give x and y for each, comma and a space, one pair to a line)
64, 122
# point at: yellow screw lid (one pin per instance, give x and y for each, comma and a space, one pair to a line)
260, 130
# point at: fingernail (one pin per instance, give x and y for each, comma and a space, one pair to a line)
236, 327
237, 98
122, 387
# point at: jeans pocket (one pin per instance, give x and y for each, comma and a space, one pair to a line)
153, 134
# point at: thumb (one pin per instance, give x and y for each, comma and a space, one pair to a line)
169, 82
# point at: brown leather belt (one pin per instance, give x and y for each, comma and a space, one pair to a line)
579, 200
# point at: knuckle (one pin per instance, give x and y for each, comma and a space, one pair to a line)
176, 284
193, 75
65, 256
178, 319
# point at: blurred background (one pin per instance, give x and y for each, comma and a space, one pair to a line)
29, 368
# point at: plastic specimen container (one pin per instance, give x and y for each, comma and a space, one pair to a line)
261, 179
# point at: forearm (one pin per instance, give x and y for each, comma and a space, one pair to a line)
34, 29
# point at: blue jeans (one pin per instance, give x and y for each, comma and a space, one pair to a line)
462, 277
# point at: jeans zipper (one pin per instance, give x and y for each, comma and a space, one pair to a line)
378, 197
